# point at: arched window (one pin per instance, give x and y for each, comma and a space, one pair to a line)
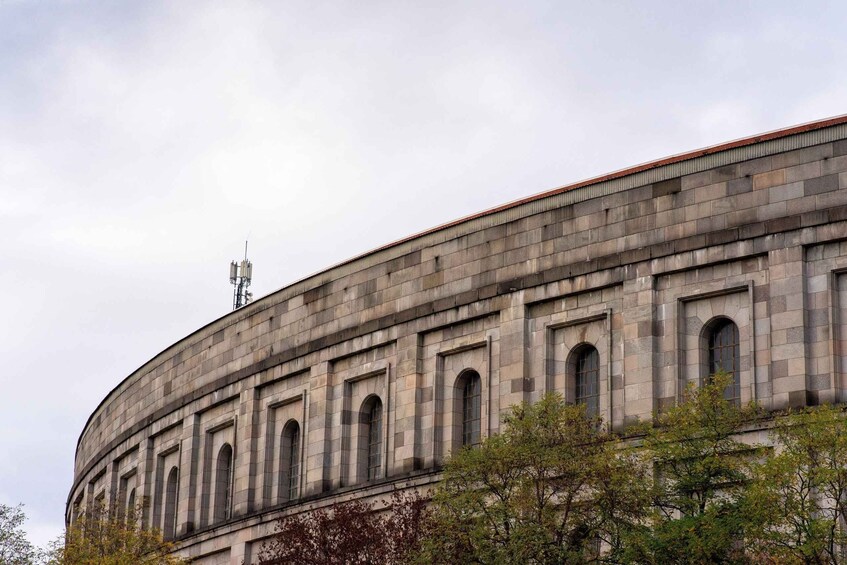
130, 504
171, 488
723, 345
371, 436
586, 378
469, 387
223, 483
289, 480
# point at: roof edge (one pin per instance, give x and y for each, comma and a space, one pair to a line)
680, 157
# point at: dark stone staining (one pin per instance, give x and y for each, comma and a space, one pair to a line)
819, 382
506, 287
751, 265
433, 280
665, 187
488, 291
608, 262
316, 293
692, 325
722, 236
727, 172
467, 297
797, 399
543, 309
744, 217
630, 420
399, 439
495, 232
412, 259
217, 337
555, 274
818, 318
739, 186
168, 387
483, 279
666, 403
563, 213
751, 230
617, 382
814, 218
782, 224
551, 231
820, 185
780, 368
839, 148
445, 303
424, 395
373, 299
367, 287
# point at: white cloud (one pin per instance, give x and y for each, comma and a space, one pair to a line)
140, 143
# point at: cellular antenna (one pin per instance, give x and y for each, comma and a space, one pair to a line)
240, 276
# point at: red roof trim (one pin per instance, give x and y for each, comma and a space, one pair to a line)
811, 126
743, 142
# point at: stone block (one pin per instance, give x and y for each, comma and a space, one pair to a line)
819, 185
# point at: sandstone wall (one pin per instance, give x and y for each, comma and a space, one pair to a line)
636, 263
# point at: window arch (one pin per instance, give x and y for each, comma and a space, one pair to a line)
370, 438
469, 394
130, 504
171, 492
289, 478
723, 354
223, 483
585, 376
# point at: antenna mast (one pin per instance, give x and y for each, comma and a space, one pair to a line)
240, 276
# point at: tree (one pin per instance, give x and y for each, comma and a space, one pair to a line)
799, 494
353, 532
104, 537
15, 549
548, 489
701, 473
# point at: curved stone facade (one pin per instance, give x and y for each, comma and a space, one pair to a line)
362, 378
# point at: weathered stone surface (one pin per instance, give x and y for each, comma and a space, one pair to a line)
638, 268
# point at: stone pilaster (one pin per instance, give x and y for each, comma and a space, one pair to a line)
319, 461
406, 405
788, 351
516, 384
246, 434
189, 470
638, 370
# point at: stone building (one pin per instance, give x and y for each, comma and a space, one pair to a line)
617, 292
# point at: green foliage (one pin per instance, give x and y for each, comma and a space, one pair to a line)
799, 493
701, 472
102, 537
15, 549
546, 490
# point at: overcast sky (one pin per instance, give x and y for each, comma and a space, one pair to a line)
142, 142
